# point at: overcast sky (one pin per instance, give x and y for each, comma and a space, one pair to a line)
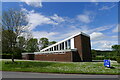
59, 20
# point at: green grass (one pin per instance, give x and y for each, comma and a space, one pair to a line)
60, 67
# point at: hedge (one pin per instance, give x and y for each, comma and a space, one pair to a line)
8, 56
118, 59
102, 58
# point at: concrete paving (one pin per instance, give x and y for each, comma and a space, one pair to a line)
8, 74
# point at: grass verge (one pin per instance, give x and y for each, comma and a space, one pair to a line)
60, 67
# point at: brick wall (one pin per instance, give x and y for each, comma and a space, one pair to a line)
67, 57
82, 43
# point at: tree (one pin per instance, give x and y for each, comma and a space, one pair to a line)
52, 42
44, 42
13, 24
94, 53
32, 45
116, 49
21, 43
8, 40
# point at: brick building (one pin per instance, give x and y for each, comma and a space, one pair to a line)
73, 49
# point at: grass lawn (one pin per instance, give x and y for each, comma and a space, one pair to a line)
60, 67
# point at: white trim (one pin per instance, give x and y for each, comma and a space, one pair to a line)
72, 43
59, 51
65, 40
64, 46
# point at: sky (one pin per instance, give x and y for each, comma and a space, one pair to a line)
59, 20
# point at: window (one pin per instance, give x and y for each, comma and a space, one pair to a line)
65, 44
50, 49
54, 48
57, 47
60, 46
69, 44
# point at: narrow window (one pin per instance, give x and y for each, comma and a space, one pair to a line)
57, 47
69, 44
54, 48
65, 44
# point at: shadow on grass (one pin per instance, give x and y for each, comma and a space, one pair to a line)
112, 67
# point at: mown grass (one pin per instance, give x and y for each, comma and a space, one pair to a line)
60, 67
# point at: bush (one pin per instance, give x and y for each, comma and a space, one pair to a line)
102, 58
8, 56
118, 59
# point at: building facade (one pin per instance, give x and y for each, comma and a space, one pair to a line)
73, 49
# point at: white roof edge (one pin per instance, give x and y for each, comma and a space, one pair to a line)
56, 51
65, 40
51, 51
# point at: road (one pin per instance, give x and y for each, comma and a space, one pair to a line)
6, 74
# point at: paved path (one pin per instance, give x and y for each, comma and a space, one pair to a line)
6, 74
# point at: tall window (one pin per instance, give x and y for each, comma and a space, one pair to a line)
57, 47
60, 46
54, 48
65, 44
69, 44
50, 49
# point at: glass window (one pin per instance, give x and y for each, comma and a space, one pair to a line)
50, 49
69, 44
60, 46
63, 46
57, 47
54, 48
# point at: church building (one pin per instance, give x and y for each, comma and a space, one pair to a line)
76, 48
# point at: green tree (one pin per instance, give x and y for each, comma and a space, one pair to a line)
32, 45
8, 41
13, 24
44, 42
21, 43
116, 49
52, 42
94, 53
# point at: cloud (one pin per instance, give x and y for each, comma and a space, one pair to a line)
37, 19
84, 18
56, 18
93, 0
116, 29
97, 36
102, 28
73, 27
35, 3
103, 44
40, 34
107, 7
101, 41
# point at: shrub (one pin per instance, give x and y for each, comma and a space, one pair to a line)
118, 59
8, 56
